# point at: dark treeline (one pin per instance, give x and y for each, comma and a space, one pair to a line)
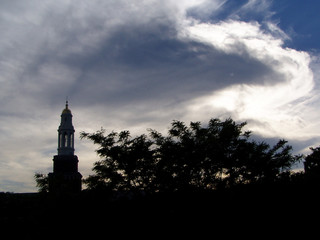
194, 179
220, 155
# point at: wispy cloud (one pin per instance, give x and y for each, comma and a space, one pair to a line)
277, 98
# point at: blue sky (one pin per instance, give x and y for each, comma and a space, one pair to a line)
140, 64
301, 20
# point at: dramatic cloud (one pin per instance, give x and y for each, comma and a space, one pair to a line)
277, 98
140, 64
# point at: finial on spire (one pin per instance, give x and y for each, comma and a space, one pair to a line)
66, 110
67, 102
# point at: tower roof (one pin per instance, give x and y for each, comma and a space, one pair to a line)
66, 110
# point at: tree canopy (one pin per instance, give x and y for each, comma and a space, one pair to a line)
312, 162
219, 154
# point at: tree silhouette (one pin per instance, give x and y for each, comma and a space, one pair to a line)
127, 161
42, 182
312, 162
189, 157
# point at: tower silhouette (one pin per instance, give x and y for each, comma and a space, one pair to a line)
65, 177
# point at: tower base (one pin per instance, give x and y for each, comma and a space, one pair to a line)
65, 182
65, 177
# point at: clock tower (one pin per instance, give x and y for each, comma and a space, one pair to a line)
65, 177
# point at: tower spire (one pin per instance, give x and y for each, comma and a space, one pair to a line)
66, 133
65, 176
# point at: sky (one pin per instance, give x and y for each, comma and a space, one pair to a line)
139, 64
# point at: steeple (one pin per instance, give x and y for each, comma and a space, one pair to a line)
65, 177
66, 133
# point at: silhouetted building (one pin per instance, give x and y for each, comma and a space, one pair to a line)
65, 177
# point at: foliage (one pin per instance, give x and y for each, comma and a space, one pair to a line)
42, 182
312, 161
189, 157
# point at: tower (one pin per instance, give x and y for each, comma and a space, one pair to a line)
65, 177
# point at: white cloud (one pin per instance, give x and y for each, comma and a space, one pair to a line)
201, 8
256, 5
253, 7
280, 107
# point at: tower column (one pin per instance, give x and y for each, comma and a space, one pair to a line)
59, 140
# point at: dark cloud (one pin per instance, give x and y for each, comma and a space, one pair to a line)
152, 63
112, 58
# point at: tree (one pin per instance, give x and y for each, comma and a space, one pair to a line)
42, 182
312, 162
127, 162
189, 157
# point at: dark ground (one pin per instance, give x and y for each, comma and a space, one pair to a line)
242, 211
